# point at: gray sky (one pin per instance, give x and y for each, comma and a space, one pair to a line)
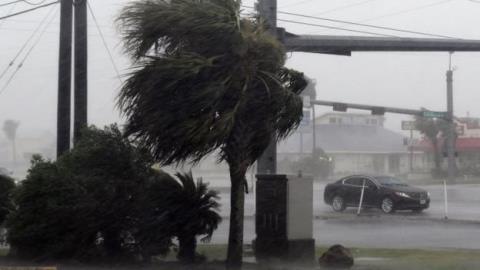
410, 80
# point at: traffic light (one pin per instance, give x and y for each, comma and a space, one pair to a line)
378, 111
340, 107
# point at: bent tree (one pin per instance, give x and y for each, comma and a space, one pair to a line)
206, 79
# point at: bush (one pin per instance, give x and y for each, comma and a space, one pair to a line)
81, 206
103, 201
6, 187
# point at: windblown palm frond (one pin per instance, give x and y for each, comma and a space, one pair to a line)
209, 77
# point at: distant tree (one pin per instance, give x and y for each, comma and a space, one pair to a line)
10, 128
432, 129
319, 164
7, 186
207, 79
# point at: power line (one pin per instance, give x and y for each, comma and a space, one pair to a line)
12, 62
408, 10
336, 28
296, 4
27, 54
360, 24
34, 4
366, 25
10, 3
28, 10
8, 13
344, 7
104, 41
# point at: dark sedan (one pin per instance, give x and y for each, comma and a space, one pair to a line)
384, 192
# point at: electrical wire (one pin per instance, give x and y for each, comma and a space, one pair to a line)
28, 10
20, 65
361, 24
104, 41
408, 10
12, 62
296, 4
8, 13
336, 28
34, 4
343, 7
10, 3
366, 25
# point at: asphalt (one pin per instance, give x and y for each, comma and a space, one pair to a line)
372, 228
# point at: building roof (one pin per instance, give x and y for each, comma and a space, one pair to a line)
334, 138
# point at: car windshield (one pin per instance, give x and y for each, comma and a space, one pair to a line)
390, 181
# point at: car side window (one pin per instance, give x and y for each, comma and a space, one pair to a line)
369, 183
354, 181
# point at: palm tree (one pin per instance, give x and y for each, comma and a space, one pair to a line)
178, 208
206, 79
10, 128
432, 128
194, 213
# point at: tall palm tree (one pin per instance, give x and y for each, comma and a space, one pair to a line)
206, 79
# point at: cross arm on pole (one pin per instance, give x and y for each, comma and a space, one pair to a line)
344, 45
345, 106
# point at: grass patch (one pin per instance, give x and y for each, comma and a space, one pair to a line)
3, 252
387, 259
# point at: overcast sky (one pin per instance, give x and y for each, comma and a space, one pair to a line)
410, 80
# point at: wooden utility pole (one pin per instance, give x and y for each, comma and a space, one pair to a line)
80, 81
64, 78
267, 163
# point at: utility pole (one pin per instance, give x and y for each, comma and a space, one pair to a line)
64, 78
451, 125
267, 163
80, 81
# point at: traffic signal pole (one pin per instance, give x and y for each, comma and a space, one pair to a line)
64, 78
345, 45
451, 169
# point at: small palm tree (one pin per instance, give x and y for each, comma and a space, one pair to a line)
186, 210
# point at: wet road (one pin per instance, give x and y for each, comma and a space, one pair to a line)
375, 229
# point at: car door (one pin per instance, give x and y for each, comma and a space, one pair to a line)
371, 193
353, 189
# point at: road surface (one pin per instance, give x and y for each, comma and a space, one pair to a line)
375, 229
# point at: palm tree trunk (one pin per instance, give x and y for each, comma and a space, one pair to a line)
187, 247
237, 200
436, 156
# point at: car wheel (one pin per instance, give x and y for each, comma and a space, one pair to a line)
338, 203
387, 205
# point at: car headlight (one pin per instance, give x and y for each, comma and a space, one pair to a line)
402, 194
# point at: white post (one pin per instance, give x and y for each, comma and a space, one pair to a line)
446, 198
361, 198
